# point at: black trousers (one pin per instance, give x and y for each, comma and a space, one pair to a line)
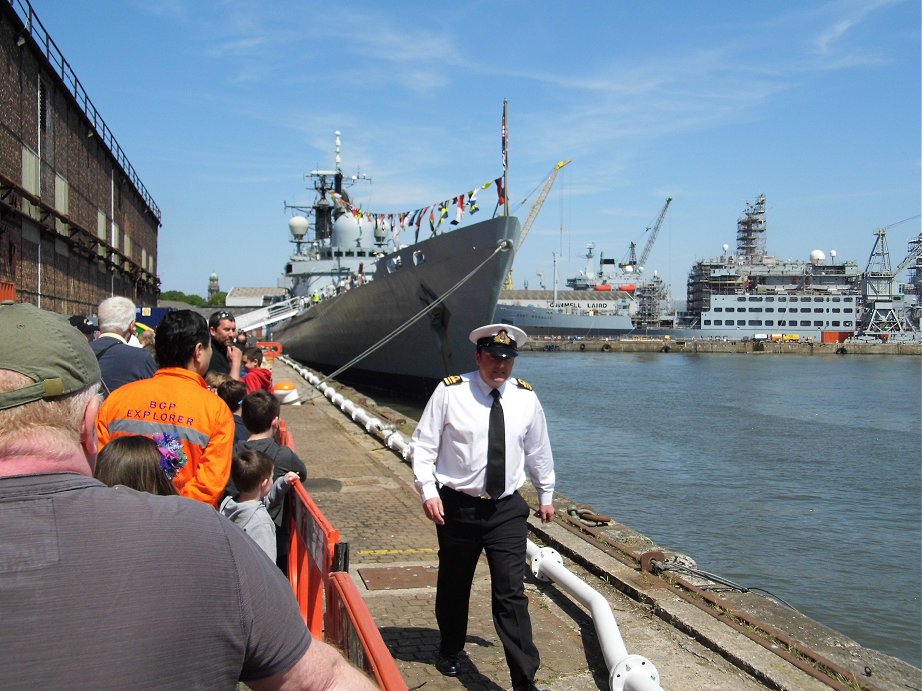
500, 528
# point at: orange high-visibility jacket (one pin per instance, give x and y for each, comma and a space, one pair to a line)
177, 400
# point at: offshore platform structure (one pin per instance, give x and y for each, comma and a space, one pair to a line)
890, 309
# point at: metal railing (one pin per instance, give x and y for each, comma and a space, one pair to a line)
264, 316
386, 432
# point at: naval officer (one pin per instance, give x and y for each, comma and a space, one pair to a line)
479, 436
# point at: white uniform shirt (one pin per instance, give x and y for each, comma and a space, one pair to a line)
449, 445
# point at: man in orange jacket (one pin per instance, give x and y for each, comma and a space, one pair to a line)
176, 405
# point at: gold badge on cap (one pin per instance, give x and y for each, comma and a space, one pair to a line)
502, 338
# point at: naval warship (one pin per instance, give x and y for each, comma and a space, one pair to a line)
381, 314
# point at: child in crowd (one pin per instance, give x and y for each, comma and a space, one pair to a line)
260, 414
214, 379
257, 376
232, 393
252, 473
136, 462
146, 338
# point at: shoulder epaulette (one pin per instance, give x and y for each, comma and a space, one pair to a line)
522, 384
452, 379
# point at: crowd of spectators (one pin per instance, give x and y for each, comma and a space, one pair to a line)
122, 493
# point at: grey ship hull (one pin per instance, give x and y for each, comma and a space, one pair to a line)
332, 333
547, 321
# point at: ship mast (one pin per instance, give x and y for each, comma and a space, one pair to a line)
505, 161
323, 209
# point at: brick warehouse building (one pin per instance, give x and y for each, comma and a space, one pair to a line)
76, 223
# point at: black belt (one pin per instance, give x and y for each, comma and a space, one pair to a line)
481, 497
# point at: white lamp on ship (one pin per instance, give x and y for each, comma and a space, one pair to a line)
298, 226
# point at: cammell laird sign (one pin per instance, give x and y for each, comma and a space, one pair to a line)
582, 305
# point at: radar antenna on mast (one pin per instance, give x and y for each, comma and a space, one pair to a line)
323, 210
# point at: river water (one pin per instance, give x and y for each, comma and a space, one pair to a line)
797, 475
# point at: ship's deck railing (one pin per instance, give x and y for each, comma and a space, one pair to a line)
329, 600
265, 316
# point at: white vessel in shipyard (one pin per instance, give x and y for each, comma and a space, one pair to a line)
609, 302
746, 294
579, 312
395, 316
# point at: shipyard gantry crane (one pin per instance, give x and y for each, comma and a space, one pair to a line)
634, 265
539, 202
533, 212
885, 310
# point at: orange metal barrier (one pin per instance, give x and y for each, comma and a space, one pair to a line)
271, 349
351, 628
285, 438
348, 624
7, 290
310, 557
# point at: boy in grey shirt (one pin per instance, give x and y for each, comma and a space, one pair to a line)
252, 474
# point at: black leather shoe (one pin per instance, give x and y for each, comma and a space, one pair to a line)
449, 665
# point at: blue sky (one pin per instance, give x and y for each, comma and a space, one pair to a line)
222, 106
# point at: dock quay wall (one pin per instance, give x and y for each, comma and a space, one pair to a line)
677, 345
697, 638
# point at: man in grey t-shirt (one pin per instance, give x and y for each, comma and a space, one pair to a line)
111, 588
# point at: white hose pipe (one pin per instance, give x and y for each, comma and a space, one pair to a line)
397, 442
371, 424
631, 672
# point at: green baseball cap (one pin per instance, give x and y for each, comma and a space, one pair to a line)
46, 348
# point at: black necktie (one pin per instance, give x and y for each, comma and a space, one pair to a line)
496, 449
